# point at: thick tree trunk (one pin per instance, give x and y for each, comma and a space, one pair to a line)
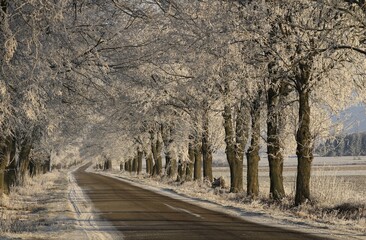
107, 164
173, 168
170, 158
149, 164
128, 165
156, 147
4, 161
235, 144
24, 159
304, 149
197, 176
275, 158
181, 170
190, 164
47, 165
134, 164
206, 149
230, 149
253, 157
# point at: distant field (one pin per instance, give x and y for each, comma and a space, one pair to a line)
349, 172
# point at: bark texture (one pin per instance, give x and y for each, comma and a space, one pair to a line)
149, 163
304, 150
190, 164
140, 155
156, 148
236, 135
197, 176
253, 157
206, 149
274, 148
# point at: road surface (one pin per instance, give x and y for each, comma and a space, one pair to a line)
141, 214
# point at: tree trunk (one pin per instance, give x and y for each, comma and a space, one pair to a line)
126, 166
206, 149
197, 176
190, 164
121, 166
149, 164
156, 147
47, 165
23, 162
140, 155
253, 157
181, 170
4, 161
304, 149
235, 144
275, 158
134, 164
170, 158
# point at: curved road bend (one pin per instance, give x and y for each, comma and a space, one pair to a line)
141, 214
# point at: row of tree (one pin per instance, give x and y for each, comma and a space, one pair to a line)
173, 81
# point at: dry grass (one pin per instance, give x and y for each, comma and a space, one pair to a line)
30, 208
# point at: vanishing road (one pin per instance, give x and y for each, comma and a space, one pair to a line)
141, 214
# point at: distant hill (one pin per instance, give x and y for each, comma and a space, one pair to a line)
353, 118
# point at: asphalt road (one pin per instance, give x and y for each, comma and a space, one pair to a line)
141, 214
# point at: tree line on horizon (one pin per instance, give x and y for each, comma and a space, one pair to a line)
353, 144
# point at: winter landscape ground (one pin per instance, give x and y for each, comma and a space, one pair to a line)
54, 207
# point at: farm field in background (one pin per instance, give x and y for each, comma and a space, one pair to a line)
335, 180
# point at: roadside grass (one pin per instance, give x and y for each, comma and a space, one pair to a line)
37, 208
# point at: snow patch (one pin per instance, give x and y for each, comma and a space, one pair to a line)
87, 220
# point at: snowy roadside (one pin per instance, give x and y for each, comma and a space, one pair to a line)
229, 203
87, 221
51, 206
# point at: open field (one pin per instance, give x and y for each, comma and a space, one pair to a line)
349, 169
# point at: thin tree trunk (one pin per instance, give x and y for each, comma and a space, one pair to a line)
253, 157
304, 149
121, 166
190, 164
140, 155
206, 149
